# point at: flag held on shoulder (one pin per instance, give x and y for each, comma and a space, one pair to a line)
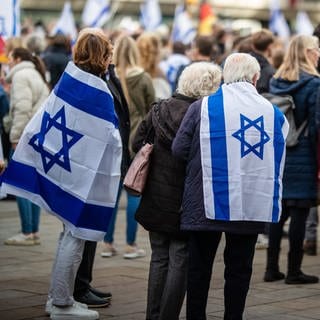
68, 158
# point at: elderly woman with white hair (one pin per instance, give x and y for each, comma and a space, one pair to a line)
160, 207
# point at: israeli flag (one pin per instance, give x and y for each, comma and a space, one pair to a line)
96, 13
277, 23
183, 28
242, 139
303, 24
66, 24
68, 158
151, 16
10, 18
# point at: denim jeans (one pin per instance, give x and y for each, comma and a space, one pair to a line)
132, 225
67, 260
167, 276
312, 224
29, 215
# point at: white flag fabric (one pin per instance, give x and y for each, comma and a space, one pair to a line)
10, 18
96, 13
242, 140
277, 23
303, 24
151, 16
183, 28
68, 158
66, 25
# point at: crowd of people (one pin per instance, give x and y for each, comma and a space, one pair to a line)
219, 163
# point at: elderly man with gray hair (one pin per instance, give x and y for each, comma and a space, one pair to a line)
234, 144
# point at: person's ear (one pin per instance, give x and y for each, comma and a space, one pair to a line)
255, 78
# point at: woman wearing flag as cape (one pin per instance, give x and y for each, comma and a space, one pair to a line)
68, 161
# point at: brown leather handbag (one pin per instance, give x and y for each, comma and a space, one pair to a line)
136, 177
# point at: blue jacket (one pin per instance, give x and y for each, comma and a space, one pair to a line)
193, 216
300, 172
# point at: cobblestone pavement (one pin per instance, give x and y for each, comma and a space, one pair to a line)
25, 274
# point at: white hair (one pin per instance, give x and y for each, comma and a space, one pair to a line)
199, 79
240, 67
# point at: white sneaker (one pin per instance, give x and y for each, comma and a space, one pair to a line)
49, 305
133, 252
20, 240
262, 242
108, 250
73, 312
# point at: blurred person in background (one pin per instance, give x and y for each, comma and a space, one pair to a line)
310, 244
56, 56
298, 77
140, 94
27, 93
149, 46
262, 42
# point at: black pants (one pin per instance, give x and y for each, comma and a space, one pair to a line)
297, 227
238, 259
84, 274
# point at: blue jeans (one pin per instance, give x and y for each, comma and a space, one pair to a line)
132, 225
29, 215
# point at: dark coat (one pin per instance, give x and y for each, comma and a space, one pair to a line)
122, 111
300, 171
187, 147
56, 59
160, 204
266, 73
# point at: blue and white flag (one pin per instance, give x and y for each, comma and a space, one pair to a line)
303, 24
66, 25
10, 18
277, 23
68, 158
183, 28
151, 16
242, 139
96, 13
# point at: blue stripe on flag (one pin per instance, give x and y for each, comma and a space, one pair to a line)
219, 160
278, 145
100, 15
86, 98
27, 178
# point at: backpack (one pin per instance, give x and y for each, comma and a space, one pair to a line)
286, 105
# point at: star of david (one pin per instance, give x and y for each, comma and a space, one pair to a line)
246, 147
69, 138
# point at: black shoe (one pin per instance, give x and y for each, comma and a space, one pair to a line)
301, 278
92, 301
101, 294
271, 276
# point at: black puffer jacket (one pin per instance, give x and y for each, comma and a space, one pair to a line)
160, 205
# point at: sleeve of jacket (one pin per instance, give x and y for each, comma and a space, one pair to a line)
182, 143
141, 133
21, 107
150, 95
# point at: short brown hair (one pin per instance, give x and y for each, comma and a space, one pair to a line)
92, 51
262, 39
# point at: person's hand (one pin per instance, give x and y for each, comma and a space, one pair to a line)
2, 166
14, 145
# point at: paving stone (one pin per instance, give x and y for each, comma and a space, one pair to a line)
25, 275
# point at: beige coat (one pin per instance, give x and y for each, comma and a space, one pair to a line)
28, 91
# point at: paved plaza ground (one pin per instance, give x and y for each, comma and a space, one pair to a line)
25, 274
